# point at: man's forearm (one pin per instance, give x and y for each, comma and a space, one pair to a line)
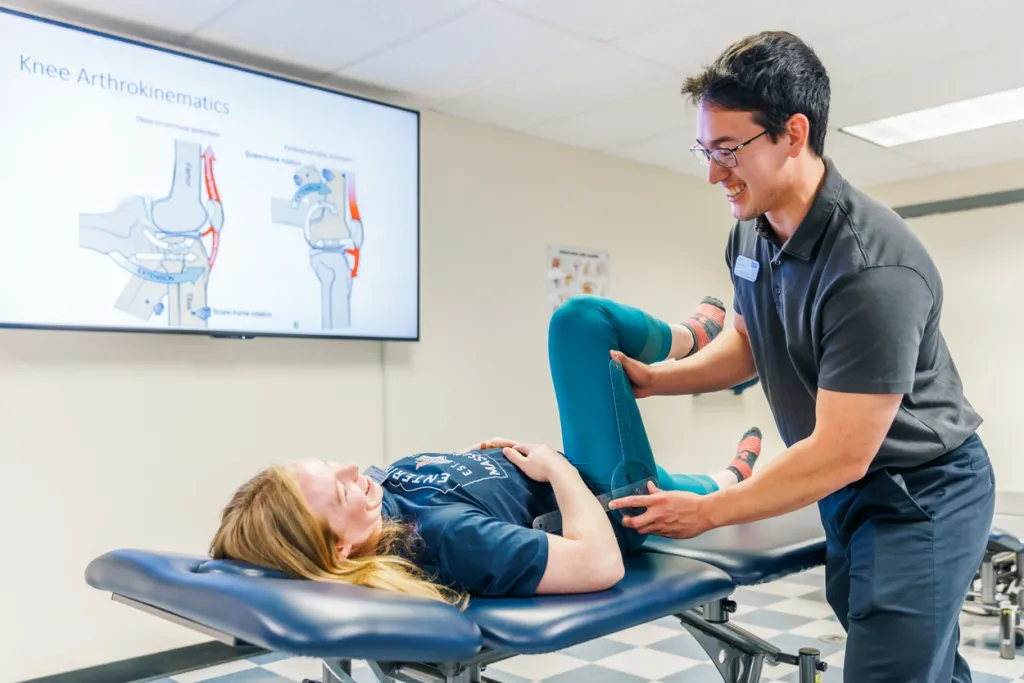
796, 478
722, 364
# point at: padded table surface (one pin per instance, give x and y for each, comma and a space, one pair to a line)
756, 552
305, 618
1006, 534
655, 586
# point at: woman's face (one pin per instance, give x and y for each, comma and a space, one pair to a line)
349, 502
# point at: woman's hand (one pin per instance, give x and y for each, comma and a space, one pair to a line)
537, 461
496, 442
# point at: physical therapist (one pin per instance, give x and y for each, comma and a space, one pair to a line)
837, 311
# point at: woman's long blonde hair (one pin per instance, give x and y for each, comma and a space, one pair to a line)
267, 523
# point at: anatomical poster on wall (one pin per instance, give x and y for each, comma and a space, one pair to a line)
573, 271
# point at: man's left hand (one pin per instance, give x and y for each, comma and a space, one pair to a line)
672, 514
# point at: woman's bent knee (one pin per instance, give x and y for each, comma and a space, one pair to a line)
581, 312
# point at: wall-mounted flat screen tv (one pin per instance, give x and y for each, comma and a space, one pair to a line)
144, 189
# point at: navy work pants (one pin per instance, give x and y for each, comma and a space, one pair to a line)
903, 547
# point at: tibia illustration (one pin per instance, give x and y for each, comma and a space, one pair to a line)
324, 207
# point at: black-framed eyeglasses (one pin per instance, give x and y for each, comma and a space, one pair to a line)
723, 156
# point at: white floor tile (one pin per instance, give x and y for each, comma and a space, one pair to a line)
783, 589
817, 629
537, 667
644, 634
836, 659
760, 631
650, 664
745, 608
991, 663
776, 673
802, 608
297, 668
214, 671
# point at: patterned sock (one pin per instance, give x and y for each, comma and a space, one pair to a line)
706, 323
746, 454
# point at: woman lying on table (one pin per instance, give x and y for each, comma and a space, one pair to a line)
444, 525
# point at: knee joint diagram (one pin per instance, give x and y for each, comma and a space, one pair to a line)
160, 241
324, 207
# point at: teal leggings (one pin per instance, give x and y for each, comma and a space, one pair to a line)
602, 432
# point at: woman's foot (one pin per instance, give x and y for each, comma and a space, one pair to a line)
746, 454
742, 465
699, 329
706, 323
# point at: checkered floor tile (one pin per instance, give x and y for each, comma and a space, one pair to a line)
791, 614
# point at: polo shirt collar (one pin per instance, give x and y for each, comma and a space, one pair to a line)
812, 227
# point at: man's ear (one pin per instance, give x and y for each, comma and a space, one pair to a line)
799, 129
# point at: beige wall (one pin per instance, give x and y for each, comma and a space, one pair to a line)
138, 440
979, 254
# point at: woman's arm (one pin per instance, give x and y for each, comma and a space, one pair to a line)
586, 557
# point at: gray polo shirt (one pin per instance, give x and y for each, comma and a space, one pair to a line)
850, 303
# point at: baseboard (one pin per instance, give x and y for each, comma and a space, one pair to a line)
156, 665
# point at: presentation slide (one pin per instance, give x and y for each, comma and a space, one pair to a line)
145, 190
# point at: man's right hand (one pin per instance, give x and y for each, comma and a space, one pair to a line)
640, 375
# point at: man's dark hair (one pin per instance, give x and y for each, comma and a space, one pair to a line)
773, 75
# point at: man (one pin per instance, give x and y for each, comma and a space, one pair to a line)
837, 309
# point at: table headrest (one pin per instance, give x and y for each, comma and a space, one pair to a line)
322, 619
238, 568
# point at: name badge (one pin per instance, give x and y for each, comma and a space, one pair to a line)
746, 268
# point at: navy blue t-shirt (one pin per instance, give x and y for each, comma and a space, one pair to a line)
473, 513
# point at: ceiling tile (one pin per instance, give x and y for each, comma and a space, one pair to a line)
864, 164
474, 50
630, 120
922, 42
144, 19
594, 76
670, 149
994, 145
910, 88
184, 15
604, 19
370, 91
698, 39
322, 35
605, 74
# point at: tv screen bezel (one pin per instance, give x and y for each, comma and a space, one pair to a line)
182, 52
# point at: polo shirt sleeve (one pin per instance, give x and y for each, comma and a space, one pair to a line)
731, 248
871, 330
490, 557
